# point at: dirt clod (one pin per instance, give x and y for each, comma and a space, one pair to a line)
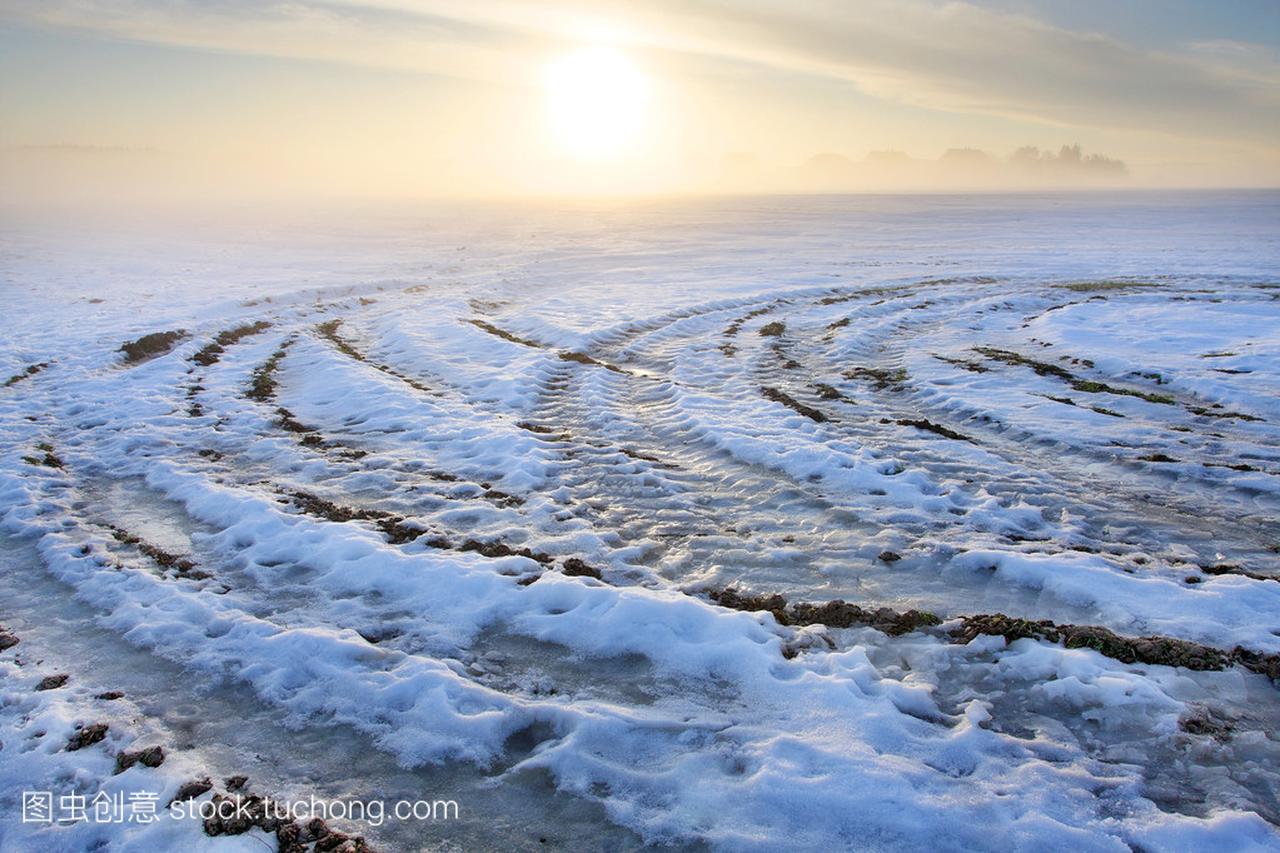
87, 736
192, 789
574, 567
152, 756
212, 352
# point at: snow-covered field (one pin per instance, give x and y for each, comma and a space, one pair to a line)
486, 505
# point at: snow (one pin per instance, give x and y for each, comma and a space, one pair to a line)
663, 461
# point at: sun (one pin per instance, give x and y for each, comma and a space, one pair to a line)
596, 101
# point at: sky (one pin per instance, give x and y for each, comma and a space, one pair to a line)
414, 98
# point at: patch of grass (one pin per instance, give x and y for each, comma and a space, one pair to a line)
880, 377
1089, 386
1104, 286
1206, 412
1040, 367
1086, 386
773, 330
971, 366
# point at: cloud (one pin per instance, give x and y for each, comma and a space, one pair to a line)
950, 56
961, 57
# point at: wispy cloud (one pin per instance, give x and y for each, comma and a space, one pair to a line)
952, 56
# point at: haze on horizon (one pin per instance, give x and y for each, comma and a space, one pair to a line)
185, 100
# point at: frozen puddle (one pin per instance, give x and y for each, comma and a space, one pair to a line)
221, 729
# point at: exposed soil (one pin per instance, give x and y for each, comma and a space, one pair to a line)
400, 530
833, 614
937, 429
48, 459
583, 358
52, 682
503, 333
574, 567
263, 386
1148, 650
500, 549
210, 353
538, 429
792, 403
971, 366
329, 330
862, 294
87, 736
1104, 286
881, 378
773, 330
1087, 386
29, 371
1232, 569
151, 346
1207, 722
244, 811
183, 566
152, 756
1211, 412
192, 789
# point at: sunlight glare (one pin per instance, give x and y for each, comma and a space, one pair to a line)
596, 99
